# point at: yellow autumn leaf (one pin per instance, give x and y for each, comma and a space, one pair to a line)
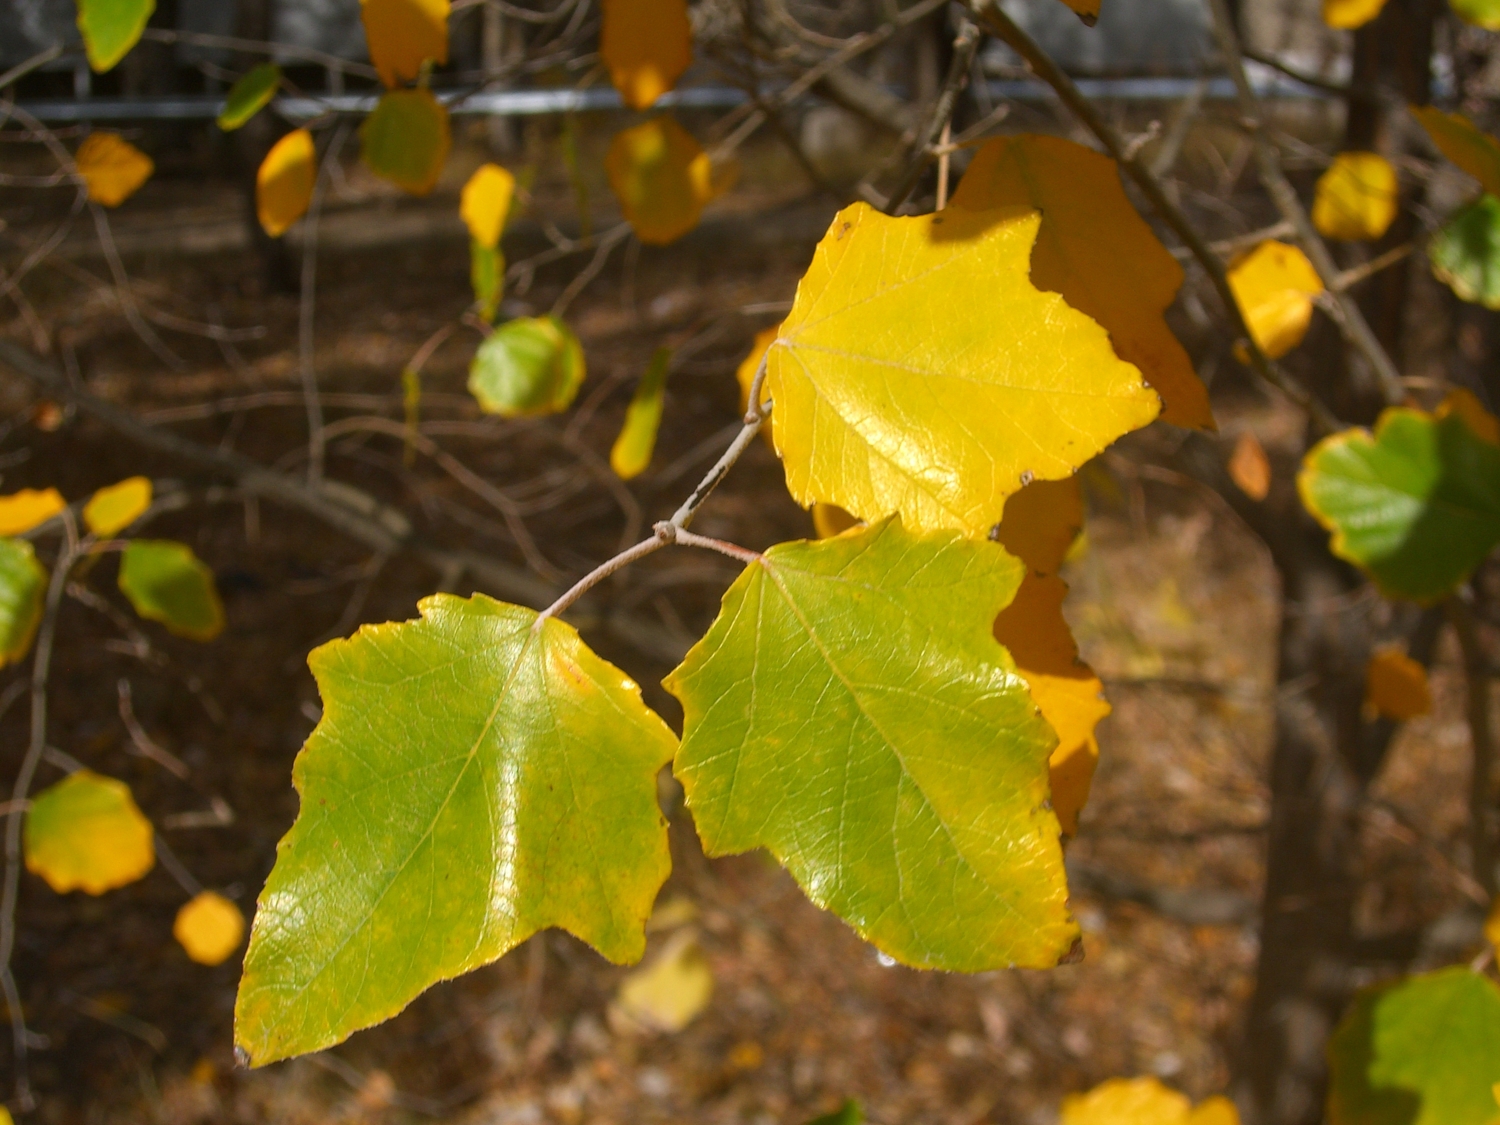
86, 833
1249, 467
114, 508
406, 139
403, 34
662, 178
1492, 925
1396, 686
1088, 10
830, 520
485, 202
112, 168
1464, 143
1217, 1110
1274, 285
209, 928
31, 507
284, 182
876, 413
1467, 406
1041, 522
646, 45
1097, 251
1356, 198
670, 992
1348, 14
746, 371
1127, 1101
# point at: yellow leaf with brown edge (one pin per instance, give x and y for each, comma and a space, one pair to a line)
31, 507
284, 182
1348, 14
115, 507
645, 45
1357, 198
112, 168
878, 416
1275, 285
1464, 143
209, 928
662, 178
1249, 467
1467, 406
485, 202
1097, 251
403, 34
86, 834
1396, 686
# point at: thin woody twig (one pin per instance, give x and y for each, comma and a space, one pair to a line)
1477, 710
964, 47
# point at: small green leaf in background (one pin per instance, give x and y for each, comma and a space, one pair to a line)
23, 586
248, 96
411, 408
111, 27
474, 779
1417, 505
115, 507
87, 834
1481, 13
1465, 253
487, 276
406, 138
851, 711
530, 365
1422, 1051
633, 448
166, 582
847, 1114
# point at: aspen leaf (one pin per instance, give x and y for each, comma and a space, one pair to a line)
284, 183
633, 448
116, 507
646, 45
209, 928
166, 582
1466, 405
403, 34
248, 96
1274, 285
1348, 14
850, 711
1249, 467
1422, 1051
112, 168
672, 991
406, 138
527, 366
1217, 1110
485, 201
1465, 252
476, 777
662, 178
1481, 13
86, 834
1416, 504
1356, 198
110, 28
1127, 1101
1095, 250
1396, 686
23, 587
830, 520
876, 415
29, 508
1464, 143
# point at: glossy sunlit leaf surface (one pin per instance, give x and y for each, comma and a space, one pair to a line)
527, 366
662, 178
111, 27
1481, 13
1465, 252
850, 711
1356, 198
112, 168
1249, 467
485, 201
247, 97
115, 507
1464, 143
23, 586
1396, 686
1417, 504
1422, 1051
86, 834
633, 448
209, 928
877, 415
284, 183
1349, 14
672, 990
1094, 249
403, 34
28, 508
406, 139
166, 582
472, 781
1274, 285
645, 45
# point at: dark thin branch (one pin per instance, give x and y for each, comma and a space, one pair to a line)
964, 48
1477, 710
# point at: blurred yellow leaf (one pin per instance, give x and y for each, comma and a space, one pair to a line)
1127, 1101
1249, 467
1467, 406
1274, 285
646, 44
23, 588
1481, 13
669, 915
1346, 14
117, 506
1492, 925
1464, 143
403, 34
1215, 1111
112, 168
745, 372
86, 833
1357, 198
662, 178
21, 511
406, 139
637, 441
1396, 685
209, 927
672, 991
284, 183
485, 202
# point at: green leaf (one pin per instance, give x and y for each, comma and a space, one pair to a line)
111, 27
1481, 13
166, 582
406, 138
530, 365
1422, 1051
487, 276
633, 448
473, 780
1417, 505
23, 587
847, 1114
1465, 253
851, 711
248, 96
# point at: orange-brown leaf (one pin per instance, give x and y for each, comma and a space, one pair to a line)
403, 34
1396, 686
646, 45
112, 168
1249, 467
